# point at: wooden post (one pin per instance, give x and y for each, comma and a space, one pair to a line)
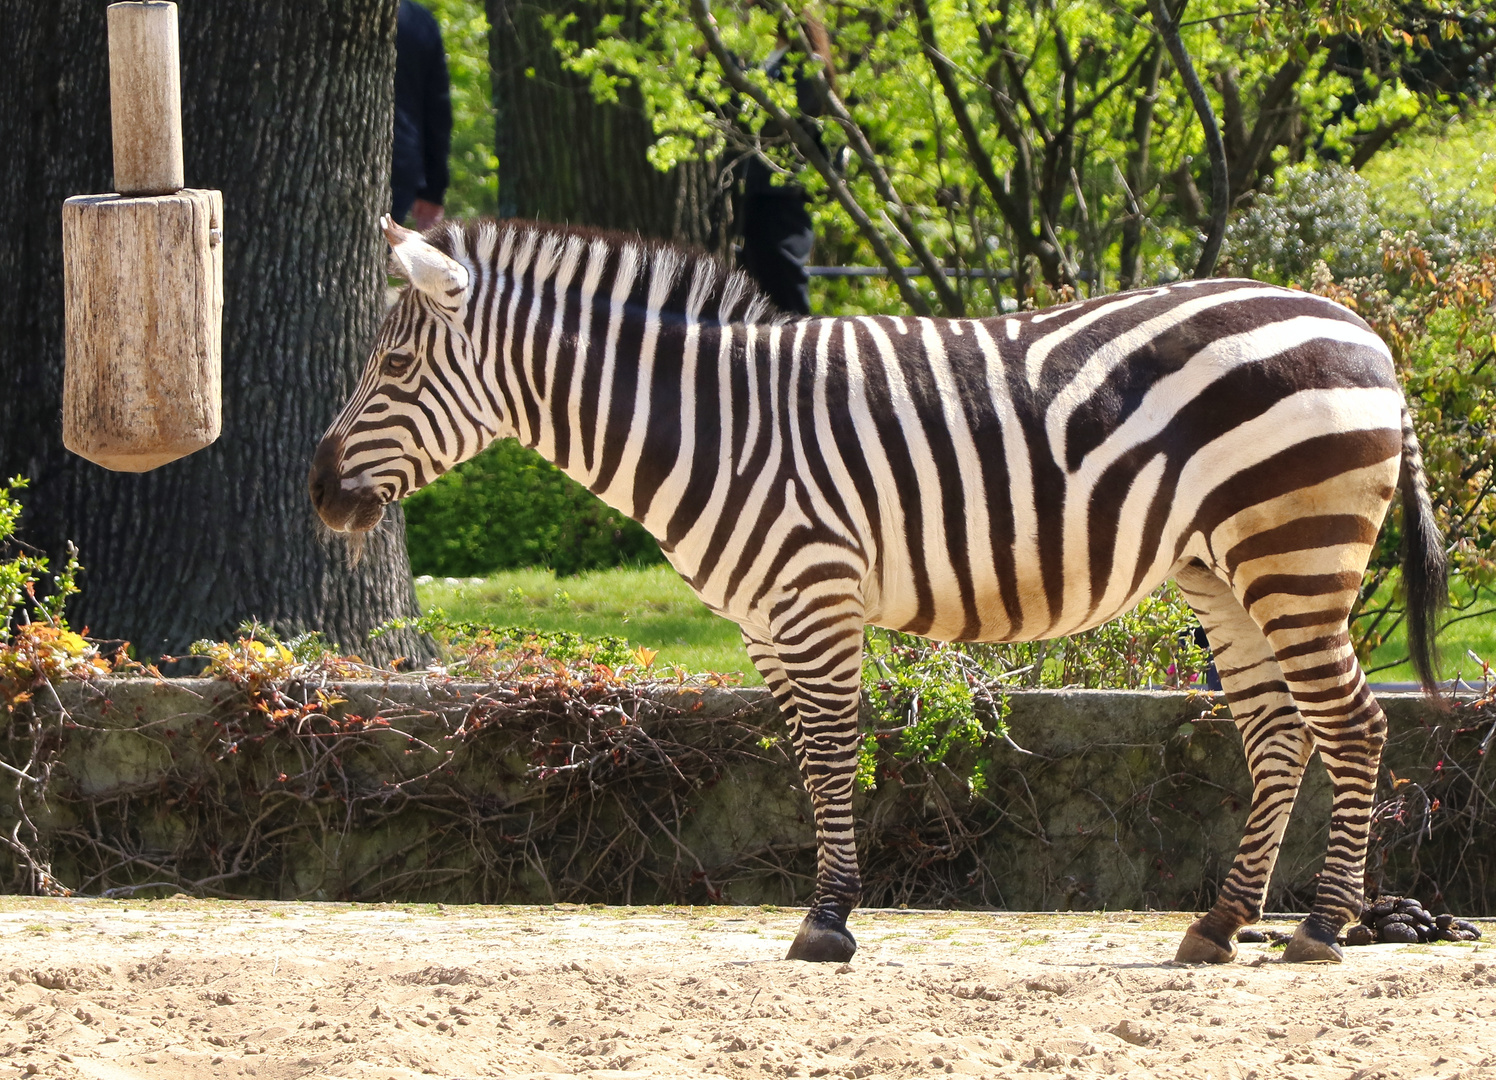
145, 98
143, 271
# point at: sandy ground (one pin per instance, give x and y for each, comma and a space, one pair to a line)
175, 989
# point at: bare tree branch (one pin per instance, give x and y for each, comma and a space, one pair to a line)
950, 300
1084, 111
1377, 138
1016, 214
1220, 184
1138, 154
702, 16
1274, 107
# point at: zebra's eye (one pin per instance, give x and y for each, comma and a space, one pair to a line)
397, 364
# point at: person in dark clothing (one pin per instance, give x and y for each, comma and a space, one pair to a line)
1212, 677
777, 238
423, 118
777, 230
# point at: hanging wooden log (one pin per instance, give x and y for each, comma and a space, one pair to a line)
144, 302
143, 271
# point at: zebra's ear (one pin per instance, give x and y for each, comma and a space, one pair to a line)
442, 278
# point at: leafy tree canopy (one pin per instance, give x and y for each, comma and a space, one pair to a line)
1045, 142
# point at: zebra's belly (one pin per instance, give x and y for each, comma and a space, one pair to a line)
988, 617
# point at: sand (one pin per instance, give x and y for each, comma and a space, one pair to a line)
184, 988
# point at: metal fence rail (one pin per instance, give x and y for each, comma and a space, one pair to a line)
915, 271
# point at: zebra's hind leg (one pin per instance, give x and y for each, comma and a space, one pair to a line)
1349, 730
1302, 598
814, 670
1277, 746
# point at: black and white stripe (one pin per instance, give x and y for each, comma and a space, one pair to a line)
998, 479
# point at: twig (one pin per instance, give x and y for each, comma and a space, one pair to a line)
1220, 184
702, 16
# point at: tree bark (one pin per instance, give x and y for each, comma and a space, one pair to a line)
564, 157
287, 110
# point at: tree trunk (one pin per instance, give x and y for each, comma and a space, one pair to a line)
564, 157
287, 110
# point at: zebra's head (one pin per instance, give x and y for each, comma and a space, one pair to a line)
418, 409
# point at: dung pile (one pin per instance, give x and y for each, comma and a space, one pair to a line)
1403, 919
1390, 919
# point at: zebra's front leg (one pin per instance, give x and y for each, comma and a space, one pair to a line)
814, 670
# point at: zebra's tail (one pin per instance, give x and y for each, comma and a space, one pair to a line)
1425, 568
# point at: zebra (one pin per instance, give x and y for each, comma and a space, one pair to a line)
1002, 479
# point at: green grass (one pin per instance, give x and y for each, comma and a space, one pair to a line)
653, 607
1458, 637
650, 606
1456, 642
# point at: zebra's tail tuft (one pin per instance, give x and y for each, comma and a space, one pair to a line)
1425, 567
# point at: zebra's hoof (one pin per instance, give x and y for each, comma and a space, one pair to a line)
820, 943
1198, 948
1306, 947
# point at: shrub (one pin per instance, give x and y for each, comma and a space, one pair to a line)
1450, 174
929, 698
36, 644
508, 508
1320, 212
1153, 644
20, 574
484, 650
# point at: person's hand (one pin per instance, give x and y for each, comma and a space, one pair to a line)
426, 214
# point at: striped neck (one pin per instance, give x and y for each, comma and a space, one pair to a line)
583, 338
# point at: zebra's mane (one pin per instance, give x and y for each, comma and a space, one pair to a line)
702, 283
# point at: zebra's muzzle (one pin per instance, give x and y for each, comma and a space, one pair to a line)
342, 507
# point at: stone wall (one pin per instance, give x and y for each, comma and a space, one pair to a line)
412, 791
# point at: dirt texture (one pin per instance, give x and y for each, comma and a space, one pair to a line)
177, 988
